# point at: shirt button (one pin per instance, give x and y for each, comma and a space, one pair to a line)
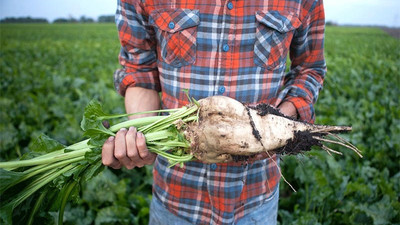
171, 25
221, 90
225, 47
213, 166
230, 5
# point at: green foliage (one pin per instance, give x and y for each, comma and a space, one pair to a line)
49, 73
362, 89
113, 197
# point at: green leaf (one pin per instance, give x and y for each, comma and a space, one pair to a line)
6, 214
9, 179
94, 111
381, 212
92, 124
66, 193
98, 140
36, 207
100, 190
45, 144
95, 127
94, 155
92, 120
92, 170
78, 215
114, 215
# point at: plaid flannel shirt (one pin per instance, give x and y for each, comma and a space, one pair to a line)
236, 48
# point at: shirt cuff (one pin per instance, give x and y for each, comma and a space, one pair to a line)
304, 109
148, 80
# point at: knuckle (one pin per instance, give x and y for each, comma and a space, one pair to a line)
136, 162
119, 155
130, 166
116, 166
144, 153
107, 162
132, 154
141, 145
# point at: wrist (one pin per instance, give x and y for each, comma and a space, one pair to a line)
139, 99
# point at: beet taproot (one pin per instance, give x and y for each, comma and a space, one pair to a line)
227, 128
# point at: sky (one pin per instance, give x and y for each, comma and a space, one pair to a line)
342, 12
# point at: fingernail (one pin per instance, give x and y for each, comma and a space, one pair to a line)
132, 128
111, 138
140, 135
123, 129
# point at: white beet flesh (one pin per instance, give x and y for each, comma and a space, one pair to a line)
227, 128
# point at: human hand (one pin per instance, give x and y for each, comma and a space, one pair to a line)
127, 149
288, 109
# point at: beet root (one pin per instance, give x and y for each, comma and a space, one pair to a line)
227, 129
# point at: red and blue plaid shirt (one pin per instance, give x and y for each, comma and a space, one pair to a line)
236, 48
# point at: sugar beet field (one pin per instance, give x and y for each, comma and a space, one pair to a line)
50, 72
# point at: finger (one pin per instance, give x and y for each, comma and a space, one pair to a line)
131, 149
147, 157
141, 145
120, 148
107, 153
117, 165
130, 139
261, 156
135, 154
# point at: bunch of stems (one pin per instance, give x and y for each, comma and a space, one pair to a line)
162, 137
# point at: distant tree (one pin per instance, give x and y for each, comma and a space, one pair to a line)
72, 19
23, 20
65, 20
331, 23
85, 19
106, 19
61, 20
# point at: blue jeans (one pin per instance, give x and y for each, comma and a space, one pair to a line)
266, 214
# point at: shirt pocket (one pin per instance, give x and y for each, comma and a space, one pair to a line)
176, 32
274, 32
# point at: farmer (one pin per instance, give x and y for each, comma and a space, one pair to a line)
236, 48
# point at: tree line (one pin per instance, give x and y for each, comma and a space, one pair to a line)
82, 19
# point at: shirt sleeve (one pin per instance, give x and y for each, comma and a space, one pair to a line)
138, 56
308, 68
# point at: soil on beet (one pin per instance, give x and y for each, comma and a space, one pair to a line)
302, 142
265, 109
256, 133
